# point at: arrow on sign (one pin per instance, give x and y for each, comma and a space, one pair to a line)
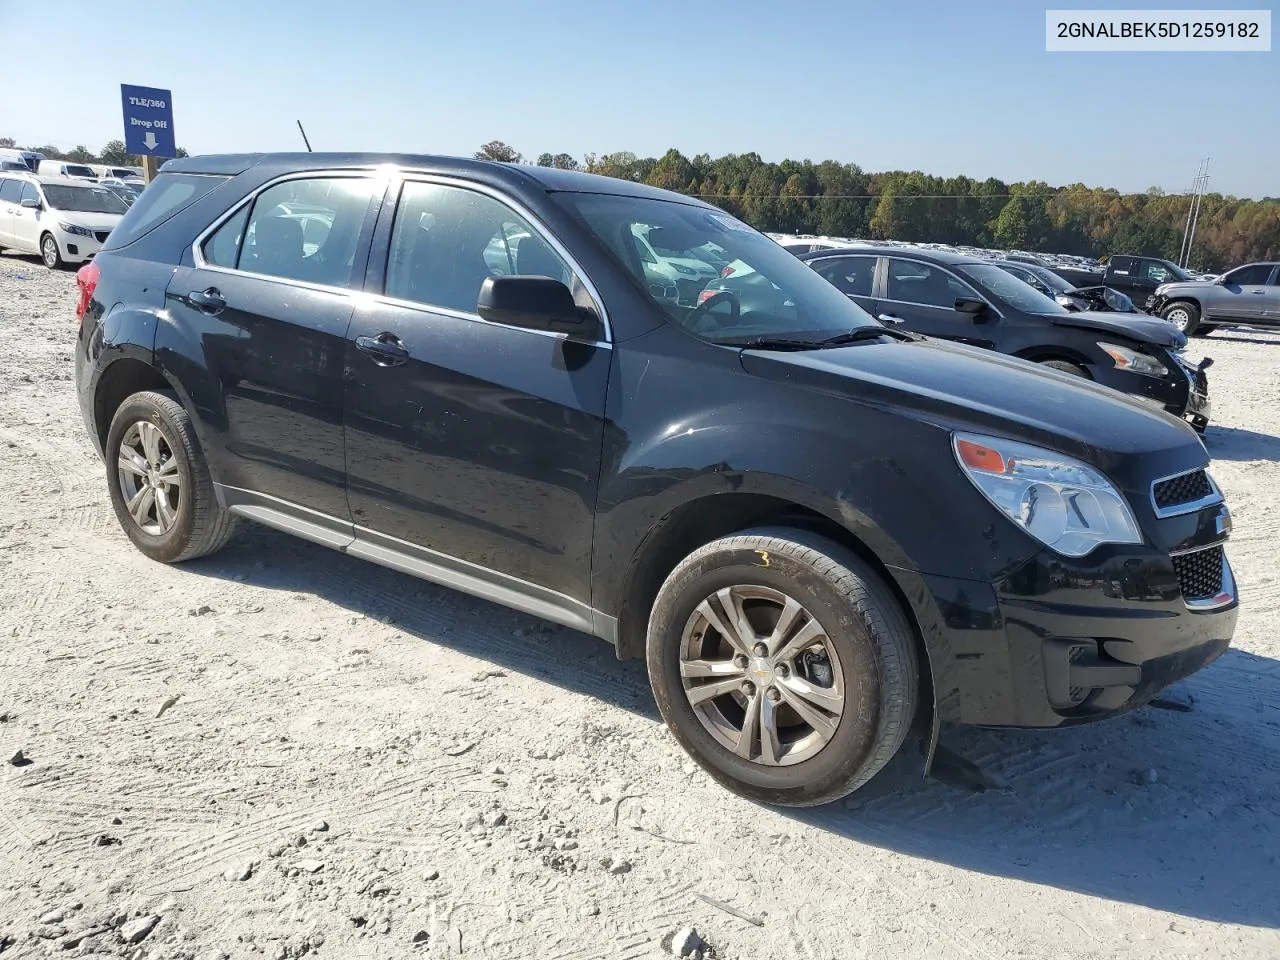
149, 141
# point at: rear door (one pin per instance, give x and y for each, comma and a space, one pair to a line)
853, 276
472, 445
270, 305
1271, 300
10, 191
922, 297
25, 225
1120, 275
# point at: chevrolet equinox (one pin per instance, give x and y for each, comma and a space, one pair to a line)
821, 532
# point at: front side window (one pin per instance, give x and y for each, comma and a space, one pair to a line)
446, 241
307, 230
1255, 274
913, 282
29, 192
736, 282
88, 199
1151, 270
852, 276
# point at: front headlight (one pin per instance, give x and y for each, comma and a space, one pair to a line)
1067, 505
75, 229
1162, 289
1133, 361
687, 271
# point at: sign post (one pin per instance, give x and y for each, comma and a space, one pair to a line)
148, 125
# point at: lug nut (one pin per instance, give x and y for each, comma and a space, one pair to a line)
740, 662
773, 694
761, 650
783, 670
749, 689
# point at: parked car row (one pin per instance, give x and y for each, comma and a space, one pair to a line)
821, 531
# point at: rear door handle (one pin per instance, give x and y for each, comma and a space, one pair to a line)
386, 349
209, 301
889, 318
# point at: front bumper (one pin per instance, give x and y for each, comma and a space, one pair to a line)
1060, 642
78, 249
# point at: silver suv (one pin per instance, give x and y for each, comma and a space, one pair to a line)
1245, 295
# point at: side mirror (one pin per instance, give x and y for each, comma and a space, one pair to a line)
31, 203
535, 303
970, 305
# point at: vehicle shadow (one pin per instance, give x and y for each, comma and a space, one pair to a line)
1084, 812
1251, 335
1237, 443
470, 625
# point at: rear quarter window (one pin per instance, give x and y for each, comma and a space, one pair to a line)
166, 196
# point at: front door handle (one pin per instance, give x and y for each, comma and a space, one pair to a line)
889, 318
208, 301
386, 349
1258, 292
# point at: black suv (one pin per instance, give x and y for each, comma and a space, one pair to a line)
973, 301
818, 530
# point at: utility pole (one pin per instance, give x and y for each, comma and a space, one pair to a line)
1193, 211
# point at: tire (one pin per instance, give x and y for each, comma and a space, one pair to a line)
50, 253
866, 643
1183, 314
1066, 366
170, 463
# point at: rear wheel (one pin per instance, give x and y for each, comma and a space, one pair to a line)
783, 664
159, 483
1066, 366
1184, 315
49, 252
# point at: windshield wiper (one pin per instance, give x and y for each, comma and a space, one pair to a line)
867, 333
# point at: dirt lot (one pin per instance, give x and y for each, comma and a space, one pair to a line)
353, 763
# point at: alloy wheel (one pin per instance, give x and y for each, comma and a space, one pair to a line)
50, 252
762, 675
150, 480
1179, 317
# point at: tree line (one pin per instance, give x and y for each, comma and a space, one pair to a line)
113, 154
843, 200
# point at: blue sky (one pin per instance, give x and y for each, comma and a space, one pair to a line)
943, 87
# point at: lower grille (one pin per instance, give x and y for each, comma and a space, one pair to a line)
102, 235
1200, 573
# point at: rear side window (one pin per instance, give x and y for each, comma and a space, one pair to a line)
165, 196
307, 229
852, 276
10, 190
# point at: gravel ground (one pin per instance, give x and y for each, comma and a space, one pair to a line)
281, 750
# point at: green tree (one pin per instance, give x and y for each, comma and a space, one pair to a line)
8, 143
493, 150
561, 161
82, 154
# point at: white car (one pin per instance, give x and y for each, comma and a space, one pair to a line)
63, 220
118, 173
686, 272
67, 169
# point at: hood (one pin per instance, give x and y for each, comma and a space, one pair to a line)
960, 387
1185, 286
1133, 326
94, 221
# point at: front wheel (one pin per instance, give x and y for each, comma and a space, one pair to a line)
1066, 366
1183, 315
783, 664
49, 252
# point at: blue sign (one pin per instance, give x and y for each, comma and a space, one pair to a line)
148, 121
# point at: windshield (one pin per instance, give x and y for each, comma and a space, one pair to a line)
74, 170
84, 199
1176, 270
1052, 280
750, 286
1005, 286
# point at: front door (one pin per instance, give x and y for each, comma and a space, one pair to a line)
923, 295
471, 445
1240, 294
269, 304
1271, 299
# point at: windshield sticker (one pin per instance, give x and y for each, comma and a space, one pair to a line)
728, 223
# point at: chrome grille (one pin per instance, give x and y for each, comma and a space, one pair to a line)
1184, 493
1200, 573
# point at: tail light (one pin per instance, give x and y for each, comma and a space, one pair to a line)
87, 281
706, 295
726, 272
